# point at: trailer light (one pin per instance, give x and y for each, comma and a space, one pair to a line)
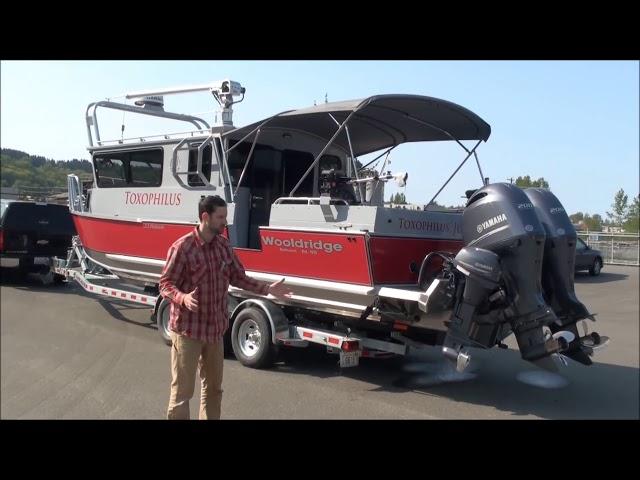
350, 345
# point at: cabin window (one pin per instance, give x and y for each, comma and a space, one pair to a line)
194, 180
110, 171
139, 168
146, 168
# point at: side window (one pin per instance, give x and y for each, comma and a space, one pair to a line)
195, 180
110, 171
3, 208
580, 245
138, 168
146, 168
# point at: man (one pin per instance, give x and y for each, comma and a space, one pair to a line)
199, 268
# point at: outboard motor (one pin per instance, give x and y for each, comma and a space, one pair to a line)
501, 268
558, 272
476, 290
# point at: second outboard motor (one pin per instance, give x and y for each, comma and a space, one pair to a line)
558, 269
500, 218
471, 323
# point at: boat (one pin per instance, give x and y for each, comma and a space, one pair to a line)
302, 206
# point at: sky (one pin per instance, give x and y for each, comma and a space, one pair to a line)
575, 123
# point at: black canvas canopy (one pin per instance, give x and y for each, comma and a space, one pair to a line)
379, 122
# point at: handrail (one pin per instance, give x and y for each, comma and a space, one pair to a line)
76, 198
309, 200
92, 120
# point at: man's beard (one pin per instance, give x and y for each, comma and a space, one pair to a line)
214, 230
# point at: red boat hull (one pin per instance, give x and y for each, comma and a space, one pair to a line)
347, 257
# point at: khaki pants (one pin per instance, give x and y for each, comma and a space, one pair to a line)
186, 356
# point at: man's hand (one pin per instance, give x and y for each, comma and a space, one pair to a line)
190, 300
277, 289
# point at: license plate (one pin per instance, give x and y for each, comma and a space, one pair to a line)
349, 359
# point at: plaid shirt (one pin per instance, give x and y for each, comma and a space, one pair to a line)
211, 267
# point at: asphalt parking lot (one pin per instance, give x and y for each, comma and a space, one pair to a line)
68, 355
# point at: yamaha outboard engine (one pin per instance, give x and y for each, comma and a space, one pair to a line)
476, 290
558, 272
500, 288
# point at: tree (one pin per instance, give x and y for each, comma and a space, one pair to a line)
526, 182
619, 208
587, 221
19, 169
398, 199
594, 223
632, 219
576, 217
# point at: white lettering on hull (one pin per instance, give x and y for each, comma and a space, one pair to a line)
313, 246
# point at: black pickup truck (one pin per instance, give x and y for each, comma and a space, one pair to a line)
31, 233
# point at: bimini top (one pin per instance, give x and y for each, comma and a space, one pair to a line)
379, 122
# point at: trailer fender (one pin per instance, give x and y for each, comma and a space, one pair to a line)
277, 319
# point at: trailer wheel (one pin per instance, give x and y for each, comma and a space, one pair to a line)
162, 320
251, 339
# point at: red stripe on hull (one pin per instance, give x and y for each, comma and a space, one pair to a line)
322, 256
333, 257
392, 257
147, 240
